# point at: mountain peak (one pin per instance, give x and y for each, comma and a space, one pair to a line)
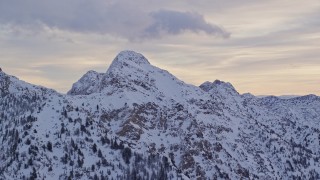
126, 59
128, 56
220, 88
88, 83
207, 86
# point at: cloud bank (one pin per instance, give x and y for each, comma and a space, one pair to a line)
174, 22
118, 18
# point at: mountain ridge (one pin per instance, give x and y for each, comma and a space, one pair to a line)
137, 121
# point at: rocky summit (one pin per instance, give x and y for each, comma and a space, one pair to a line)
137, 121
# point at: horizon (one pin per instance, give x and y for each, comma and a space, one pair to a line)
262, 48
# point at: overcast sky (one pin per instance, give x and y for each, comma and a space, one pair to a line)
262, 47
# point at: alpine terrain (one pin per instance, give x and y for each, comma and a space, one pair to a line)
137, 121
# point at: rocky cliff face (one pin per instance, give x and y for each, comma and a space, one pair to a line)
137, 121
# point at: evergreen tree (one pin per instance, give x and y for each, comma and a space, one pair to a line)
126, 155
49, 146
33, 174
100, 154
94, 148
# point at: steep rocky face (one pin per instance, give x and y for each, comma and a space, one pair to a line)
137, 121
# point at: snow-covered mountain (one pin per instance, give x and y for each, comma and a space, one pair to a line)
137, 121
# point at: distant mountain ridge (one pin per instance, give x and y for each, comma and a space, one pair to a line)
137, 121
